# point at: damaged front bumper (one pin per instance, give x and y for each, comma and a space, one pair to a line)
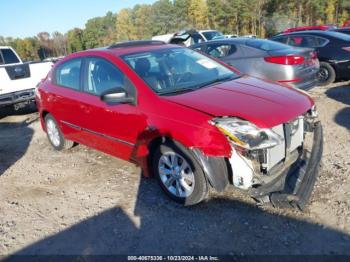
283, 175
293, 187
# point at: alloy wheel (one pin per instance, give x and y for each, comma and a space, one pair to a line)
323, 74
53, 132
176, 174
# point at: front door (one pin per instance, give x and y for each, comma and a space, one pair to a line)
113, 129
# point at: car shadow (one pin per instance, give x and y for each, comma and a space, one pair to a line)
15, 137
220, 226
341, 94
343, 117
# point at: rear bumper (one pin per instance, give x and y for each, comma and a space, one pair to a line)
342, 69
17, 97
294, 186
307, 84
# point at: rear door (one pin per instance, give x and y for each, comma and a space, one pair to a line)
63, 99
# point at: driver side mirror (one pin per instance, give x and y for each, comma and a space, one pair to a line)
116, 96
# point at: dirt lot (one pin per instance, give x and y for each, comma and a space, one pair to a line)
85, 202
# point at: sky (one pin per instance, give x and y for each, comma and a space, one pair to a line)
24, 18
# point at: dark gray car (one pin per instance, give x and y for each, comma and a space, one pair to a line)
266, 59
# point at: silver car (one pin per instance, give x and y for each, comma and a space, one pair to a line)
266, 59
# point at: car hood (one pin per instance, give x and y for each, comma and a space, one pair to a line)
264, 103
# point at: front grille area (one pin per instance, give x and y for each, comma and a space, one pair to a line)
293, 133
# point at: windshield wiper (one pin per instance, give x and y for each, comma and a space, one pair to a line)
176, 91
216, 80
188, 89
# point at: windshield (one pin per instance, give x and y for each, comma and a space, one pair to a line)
174, 70
266, 45
210, 35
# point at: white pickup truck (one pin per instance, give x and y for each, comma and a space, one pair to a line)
18, 80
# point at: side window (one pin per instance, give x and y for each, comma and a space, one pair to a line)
303, 41
9, 56
68, 74
221, 50
308, 41
283, 40
295, 40
102, 76
321, 41
196, 39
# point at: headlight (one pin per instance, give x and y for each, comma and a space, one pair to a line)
313, 112
246, 135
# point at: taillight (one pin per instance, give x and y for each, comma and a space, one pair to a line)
346, 48
314, 55
285, 60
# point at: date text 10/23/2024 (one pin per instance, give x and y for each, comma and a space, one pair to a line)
173, 258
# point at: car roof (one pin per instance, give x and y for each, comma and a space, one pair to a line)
131, 47
330, 35
237, 40
308, 28
312, 32
208, 30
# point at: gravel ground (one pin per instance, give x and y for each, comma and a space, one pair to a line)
85, 202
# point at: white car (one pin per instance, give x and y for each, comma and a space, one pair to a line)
231, 36
18, 80
190, 37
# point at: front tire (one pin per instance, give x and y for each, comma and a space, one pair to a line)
326, 75
179, 174
55, 136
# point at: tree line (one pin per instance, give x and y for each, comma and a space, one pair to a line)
259, 17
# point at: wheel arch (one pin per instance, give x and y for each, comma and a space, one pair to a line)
43, 114
216, 169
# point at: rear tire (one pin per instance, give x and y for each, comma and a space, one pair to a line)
55, 136
179, 174
326, 75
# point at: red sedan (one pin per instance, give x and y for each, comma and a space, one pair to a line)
192, 122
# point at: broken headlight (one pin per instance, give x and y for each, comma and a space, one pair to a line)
246, 135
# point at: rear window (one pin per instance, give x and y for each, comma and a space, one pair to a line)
1, 60
68, 74
210, 35
266, 45
9, 56
221, 50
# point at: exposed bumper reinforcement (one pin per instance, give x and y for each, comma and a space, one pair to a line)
17, 97
294, 187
